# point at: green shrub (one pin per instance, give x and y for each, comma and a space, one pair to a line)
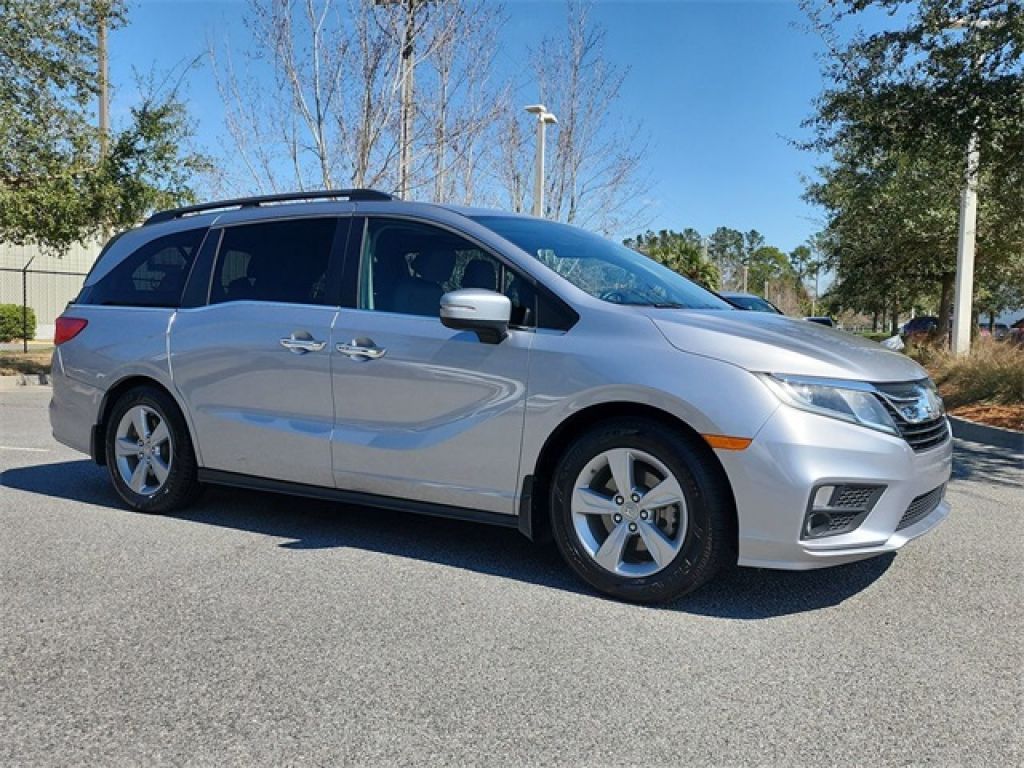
11, 322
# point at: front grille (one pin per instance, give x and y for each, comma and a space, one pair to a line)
921, 507
920, 436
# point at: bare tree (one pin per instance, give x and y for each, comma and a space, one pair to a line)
594, 177
318, 100
514, 161
369, 135
289, 112
457, 110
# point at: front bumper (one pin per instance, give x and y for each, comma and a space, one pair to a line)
795, 451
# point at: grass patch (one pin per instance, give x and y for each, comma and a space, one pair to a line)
34, 361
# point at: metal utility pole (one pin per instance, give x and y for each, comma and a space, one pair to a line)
963, 293
24, 304
408, 66
543, 119
104, 89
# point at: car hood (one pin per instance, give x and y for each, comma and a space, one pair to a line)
776, 344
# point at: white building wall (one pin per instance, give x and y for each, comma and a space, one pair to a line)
47, 293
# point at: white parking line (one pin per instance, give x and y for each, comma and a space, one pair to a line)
28, 450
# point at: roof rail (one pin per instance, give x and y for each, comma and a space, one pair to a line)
255, 202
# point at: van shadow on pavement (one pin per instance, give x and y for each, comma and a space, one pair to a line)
741, 593
977, 461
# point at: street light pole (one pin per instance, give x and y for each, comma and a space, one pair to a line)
543, 119
963, 294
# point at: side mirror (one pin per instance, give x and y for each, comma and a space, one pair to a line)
486, 313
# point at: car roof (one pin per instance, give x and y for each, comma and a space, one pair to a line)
303, 204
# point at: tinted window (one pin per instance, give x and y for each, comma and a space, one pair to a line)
600, 267
151, 276
406, 267
284, 261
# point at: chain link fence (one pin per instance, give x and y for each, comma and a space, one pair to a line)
45, 291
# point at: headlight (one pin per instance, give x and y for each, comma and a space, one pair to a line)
852, 401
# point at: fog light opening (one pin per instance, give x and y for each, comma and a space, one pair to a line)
833, 510
818, 523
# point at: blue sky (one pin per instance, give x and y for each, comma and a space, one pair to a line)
720, 87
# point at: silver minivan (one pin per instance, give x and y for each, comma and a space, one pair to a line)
495, 367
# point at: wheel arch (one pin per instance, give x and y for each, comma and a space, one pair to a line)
112, 395
534, 514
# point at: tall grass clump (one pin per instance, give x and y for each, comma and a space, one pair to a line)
993, 372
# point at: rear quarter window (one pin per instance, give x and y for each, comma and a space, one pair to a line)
280, 261
153, 275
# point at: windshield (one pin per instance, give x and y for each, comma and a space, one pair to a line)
600, 267
754, 303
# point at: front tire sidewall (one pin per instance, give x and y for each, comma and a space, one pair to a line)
701, 553
181, 485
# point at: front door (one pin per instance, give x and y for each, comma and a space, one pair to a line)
424, 412
253, 365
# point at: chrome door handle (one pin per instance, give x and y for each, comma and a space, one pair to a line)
359, 351
299, 346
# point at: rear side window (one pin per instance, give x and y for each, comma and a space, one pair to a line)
285, 261
151, 276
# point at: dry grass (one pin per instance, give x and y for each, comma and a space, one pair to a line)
986, 386
36, 360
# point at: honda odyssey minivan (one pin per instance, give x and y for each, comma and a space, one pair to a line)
495, 367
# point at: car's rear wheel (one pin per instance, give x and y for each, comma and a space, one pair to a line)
149, 452
639, 512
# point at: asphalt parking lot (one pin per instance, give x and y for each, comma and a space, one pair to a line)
265, 630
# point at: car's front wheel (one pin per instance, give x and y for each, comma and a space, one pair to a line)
639, 512
149, 452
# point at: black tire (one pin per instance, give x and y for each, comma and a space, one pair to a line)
182, 486
708, 544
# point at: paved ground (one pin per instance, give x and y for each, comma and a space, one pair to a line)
265, 630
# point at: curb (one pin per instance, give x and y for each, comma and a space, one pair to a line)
983, 433
19, 380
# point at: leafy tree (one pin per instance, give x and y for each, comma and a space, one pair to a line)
807, 263
681, 252
726, 249
55, 187
765, 264
896, 117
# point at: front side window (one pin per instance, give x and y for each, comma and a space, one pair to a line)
282, 261
152, 276
600, 267
406, 267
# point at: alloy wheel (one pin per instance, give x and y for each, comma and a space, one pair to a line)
143, 450
629, 512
